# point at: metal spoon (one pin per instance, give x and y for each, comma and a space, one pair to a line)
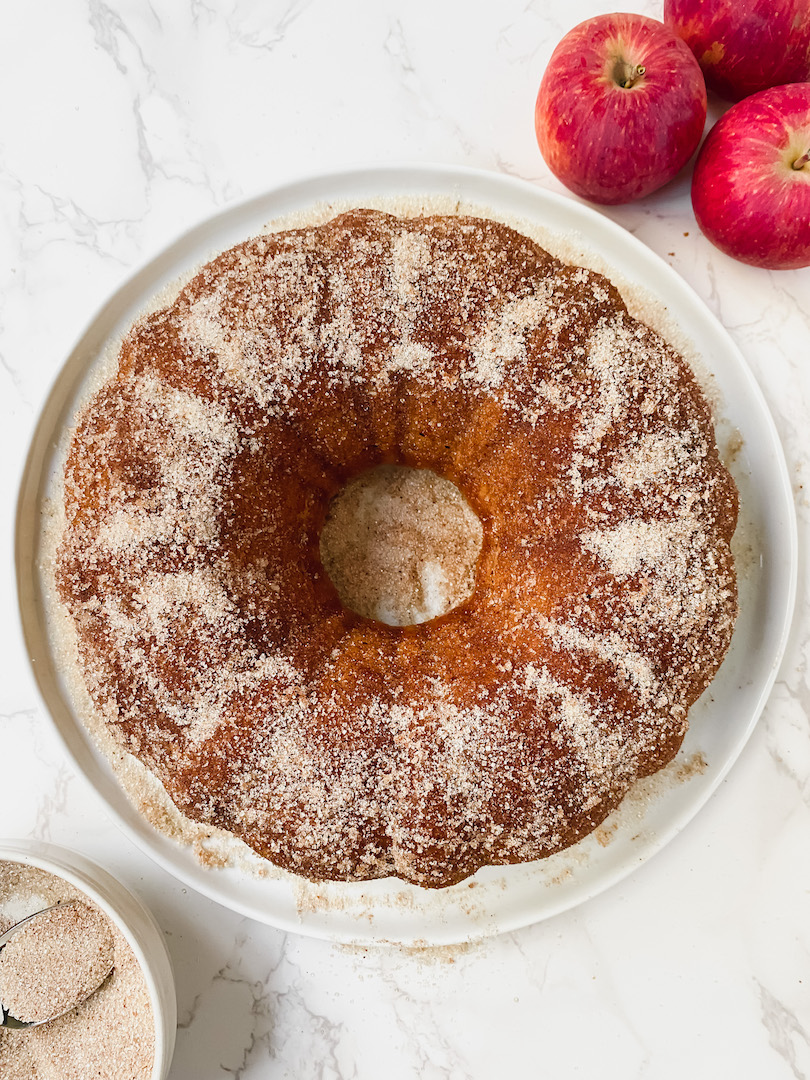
9, 1021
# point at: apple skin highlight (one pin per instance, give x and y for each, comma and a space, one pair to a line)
621, 108
751, 183
744, 46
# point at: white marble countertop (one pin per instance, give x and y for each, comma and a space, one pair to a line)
124, 123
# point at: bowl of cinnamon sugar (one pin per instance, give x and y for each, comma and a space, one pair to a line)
126, 1029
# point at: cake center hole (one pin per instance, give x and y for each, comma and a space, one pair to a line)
401, 545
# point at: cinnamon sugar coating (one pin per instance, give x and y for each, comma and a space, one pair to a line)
215, 645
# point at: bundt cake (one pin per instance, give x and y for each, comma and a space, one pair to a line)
215, 645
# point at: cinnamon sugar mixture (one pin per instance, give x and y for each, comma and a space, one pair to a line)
215, 646
401, 545
110, 1036
55, 961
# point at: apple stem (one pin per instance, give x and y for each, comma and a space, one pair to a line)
627, 75
800, 162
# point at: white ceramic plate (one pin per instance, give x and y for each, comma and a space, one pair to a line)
496, 899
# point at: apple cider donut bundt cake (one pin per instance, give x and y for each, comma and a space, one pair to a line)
215, 645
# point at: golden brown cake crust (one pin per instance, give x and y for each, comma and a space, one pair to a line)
216, 647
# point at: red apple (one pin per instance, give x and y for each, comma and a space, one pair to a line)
751, 184
621, 108
744, 46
